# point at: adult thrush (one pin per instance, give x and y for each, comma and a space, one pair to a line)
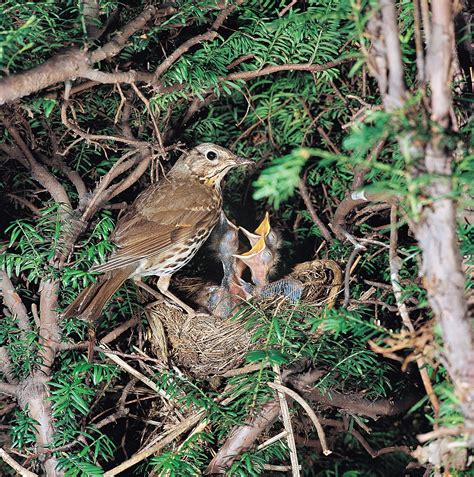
164, 227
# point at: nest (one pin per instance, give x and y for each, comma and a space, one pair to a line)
322, 280
203, 345
206, 345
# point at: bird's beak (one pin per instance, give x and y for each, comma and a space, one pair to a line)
253, 238
242, 161
264, 227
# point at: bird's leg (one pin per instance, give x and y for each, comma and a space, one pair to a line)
163, 284
141, 284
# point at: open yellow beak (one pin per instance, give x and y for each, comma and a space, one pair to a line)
258, 247
261, 231
264, 227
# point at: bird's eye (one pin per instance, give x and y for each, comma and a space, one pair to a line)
211, 155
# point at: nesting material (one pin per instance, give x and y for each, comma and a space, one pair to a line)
322, 281
204, 345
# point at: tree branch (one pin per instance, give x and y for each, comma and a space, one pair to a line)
49, 332
74, 63
312, 68
13, 302
435, 228
15, 465
242, 438
396, 92
353, 403
10, 389
33, 395
402, 308
181, 50
309, 205
38, 171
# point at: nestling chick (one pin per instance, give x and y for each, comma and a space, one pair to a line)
223, 299
261, 260
263, 256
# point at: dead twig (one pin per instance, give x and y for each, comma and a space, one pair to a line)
15, 465
309, 411
285, 414
166, 438
137, 374
309, 205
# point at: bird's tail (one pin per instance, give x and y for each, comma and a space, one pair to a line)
89, 303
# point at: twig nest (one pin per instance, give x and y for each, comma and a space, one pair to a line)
322, 281
315, 283
203, 345
206, 345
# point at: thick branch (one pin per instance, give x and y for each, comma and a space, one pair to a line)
396, 85
13, 301
10, 389
91, 12
33, 394
60, 68
436, 229
439, 59
49, 333
353, 403
243, 437
74, 63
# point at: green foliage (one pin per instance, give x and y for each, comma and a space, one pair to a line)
279, 180
294, 124
71, 394
31, 31
187, 461
33, 244
22, 431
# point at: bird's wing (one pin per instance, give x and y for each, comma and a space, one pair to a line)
159, 222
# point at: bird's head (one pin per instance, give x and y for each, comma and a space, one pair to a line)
209, 162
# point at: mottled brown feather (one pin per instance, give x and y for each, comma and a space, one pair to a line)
155, 223
164, 227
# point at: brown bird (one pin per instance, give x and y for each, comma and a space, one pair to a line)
164, 227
